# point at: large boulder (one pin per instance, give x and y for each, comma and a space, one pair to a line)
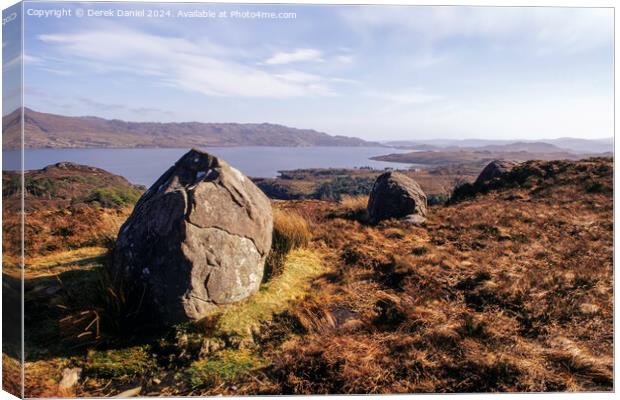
494, 169
395, 195
197, 239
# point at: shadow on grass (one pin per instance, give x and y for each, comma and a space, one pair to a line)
65, 316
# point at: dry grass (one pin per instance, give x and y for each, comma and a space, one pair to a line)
480, 300
11, 375
354, 207
354, 204
50, 231
290, 231
59, 262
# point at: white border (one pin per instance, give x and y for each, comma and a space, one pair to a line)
535, 3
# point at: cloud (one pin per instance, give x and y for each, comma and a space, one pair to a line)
345, 59
412, 96
181, 63
427, 60
100, 106
301, 77
300, 55
548, 29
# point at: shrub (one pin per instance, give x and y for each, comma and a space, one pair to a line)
437, 199
113, 197
40, 187
461, 191
336, 188
11, 186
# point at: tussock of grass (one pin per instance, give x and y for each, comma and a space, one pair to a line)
354, 203
354, 207
290, 231
299, 268
580, 362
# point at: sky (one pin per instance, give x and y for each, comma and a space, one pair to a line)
374, 72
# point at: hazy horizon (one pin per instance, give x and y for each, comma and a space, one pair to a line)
374, 72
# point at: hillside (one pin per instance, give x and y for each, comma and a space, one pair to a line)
67, 206
44, 130
507, 288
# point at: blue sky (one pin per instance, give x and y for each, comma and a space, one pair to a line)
375, 72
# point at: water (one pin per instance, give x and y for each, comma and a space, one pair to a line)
144, 166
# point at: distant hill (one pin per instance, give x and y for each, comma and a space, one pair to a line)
44, 130
585, 145
574, 145
480, 155
532, 147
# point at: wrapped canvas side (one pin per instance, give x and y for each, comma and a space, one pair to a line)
12, 201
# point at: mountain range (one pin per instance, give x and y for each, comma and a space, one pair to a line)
43, 130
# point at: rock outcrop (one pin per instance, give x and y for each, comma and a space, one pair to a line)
494, 169
197, 239
395, 195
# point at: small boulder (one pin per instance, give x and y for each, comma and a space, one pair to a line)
493, 170
197, 239
70, 378
395, 195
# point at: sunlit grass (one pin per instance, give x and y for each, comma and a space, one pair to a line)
59, 262
300, 267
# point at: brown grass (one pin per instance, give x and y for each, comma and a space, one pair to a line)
11, 375
354, 203
482, 300
290, 231
354, 207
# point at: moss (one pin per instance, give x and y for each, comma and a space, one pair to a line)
226, 366
119, 363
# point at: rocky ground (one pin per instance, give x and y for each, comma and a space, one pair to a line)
506, 288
